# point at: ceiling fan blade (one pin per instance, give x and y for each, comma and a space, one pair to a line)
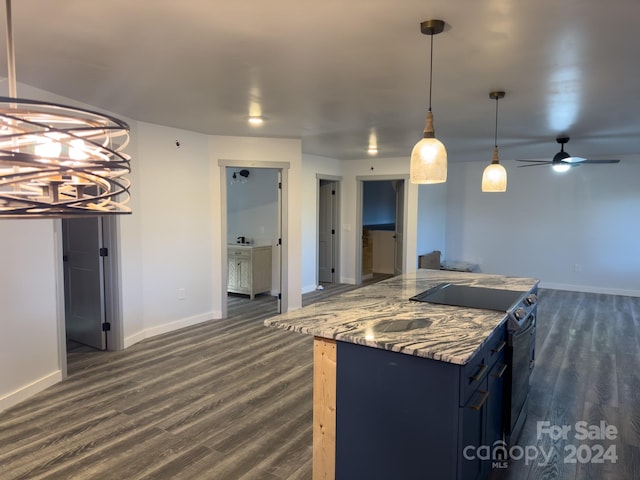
601, 161
532, 160
536, 164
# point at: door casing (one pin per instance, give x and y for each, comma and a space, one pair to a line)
112, 288
283, 168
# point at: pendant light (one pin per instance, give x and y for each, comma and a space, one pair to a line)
429, 157
494, 178
57, 160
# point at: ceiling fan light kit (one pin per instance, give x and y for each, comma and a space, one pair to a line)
429, 155
57, 160
494, 177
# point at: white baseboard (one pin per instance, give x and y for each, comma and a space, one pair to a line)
590, 289
170, 327
29, 390
133, 339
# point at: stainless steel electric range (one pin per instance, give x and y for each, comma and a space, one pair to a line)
521, 309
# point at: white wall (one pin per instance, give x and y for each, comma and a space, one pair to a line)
575, 231
432, 219
174, 218
29, 341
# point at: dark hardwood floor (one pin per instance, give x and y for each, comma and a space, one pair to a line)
231, 399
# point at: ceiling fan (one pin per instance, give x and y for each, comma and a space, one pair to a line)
562, 161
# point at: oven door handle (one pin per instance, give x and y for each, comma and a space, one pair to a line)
500, 347
501, 372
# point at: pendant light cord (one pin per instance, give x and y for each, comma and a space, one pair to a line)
430, 71
495, 140
11, 58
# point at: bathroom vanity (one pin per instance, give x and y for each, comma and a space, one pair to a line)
249, 269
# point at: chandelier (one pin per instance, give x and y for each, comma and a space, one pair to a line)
57, 160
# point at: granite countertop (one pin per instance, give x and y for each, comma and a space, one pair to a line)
382, 316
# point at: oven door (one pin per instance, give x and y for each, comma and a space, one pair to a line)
522, 345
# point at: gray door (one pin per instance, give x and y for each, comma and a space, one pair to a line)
84, 281
399, 231
327, 238
279, 246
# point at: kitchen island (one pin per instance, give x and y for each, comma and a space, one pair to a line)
402, 387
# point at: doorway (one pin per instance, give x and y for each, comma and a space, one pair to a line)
381, 217
328, 245
90, 266
254, 220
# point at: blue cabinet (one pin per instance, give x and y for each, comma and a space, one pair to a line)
401, 416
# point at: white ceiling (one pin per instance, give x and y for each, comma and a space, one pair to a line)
332, 71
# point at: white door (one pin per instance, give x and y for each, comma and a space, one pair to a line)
84, 281
327, 237
399, 230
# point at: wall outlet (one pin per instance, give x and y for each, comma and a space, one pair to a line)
181, 294
480, 260
577, 267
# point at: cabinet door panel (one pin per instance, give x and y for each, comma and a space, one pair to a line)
473, 419
244, 275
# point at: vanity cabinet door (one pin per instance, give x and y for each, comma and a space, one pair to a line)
239, 273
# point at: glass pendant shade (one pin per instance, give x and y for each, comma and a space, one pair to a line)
494, 178
428, 158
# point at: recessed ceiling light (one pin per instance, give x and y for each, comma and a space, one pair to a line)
372, 150
253, 120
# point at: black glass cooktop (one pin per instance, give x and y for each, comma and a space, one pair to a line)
472, 297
